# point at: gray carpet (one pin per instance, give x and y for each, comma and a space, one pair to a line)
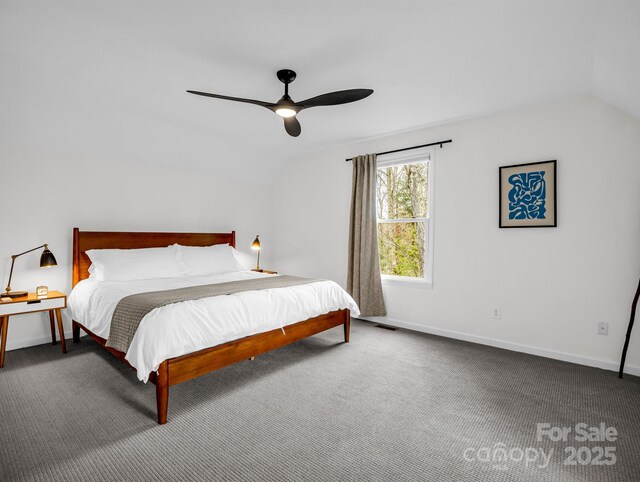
390, 405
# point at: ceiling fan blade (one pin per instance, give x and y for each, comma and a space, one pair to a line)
292, 126
268, 105
335, 98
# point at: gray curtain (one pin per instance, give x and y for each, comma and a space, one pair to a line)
363, 279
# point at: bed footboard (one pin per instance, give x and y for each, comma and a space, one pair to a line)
186, 367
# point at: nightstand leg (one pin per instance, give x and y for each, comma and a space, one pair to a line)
4, 322
53, 328
61, 330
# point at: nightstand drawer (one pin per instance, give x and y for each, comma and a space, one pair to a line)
31, 306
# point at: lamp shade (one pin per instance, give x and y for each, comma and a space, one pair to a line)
47, 259
256, 243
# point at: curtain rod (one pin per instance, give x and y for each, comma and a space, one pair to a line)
409, 148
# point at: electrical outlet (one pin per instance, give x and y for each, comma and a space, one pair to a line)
603, 328
496, 313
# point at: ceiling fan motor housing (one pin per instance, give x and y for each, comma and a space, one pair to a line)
286, 76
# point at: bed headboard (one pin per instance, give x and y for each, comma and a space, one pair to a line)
85, 240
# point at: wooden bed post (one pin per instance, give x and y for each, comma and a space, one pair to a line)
76, 257
76, 331
162, 391
347, 325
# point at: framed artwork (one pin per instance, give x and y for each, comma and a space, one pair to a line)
528, 195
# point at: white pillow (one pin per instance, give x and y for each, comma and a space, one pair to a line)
134, 264
216, 259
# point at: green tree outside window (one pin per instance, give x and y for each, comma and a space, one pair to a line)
402, 209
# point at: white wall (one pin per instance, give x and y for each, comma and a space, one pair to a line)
97, 131
553, 285
44, 194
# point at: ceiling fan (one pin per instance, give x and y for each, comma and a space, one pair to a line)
287, 108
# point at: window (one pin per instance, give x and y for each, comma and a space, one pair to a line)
404, 206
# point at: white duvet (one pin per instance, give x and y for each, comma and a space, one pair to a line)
189, 326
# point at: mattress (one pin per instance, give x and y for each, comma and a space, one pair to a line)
188, 326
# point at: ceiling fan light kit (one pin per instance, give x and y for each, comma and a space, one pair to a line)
288, 109
285, 111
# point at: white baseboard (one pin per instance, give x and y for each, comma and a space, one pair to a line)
40, 340
507, 345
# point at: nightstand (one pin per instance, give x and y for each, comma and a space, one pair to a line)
53, 302
266, 271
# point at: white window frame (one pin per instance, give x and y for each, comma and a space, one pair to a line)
423, 154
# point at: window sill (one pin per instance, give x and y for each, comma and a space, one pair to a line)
406, 282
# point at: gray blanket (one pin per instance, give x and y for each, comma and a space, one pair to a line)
132, 309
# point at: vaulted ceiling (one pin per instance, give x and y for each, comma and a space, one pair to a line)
108, 79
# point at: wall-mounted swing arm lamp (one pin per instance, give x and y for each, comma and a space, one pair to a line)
47, 259
256, 247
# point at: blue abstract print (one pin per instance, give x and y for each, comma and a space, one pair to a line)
528, 195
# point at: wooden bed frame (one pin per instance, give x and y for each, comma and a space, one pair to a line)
185, 367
